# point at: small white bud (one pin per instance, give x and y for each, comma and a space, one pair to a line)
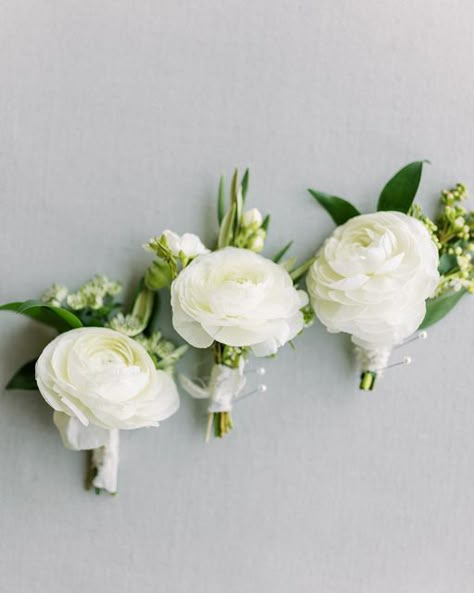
257, 243
252, 219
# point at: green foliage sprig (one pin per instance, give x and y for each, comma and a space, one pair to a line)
453, 232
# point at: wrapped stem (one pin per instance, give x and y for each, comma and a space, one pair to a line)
220, 418
371, 361
104, 463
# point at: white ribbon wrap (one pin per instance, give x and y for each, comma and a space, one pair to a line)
224, 387
374, 360
103, 443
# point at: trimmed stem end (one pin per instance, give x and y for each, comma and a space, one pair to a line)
367, 380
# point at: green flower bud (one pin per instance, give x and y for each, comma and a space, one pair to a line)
158, 275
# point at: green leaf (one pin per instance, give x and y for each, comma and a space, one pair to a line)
24, 378
221, 200
143, 309
238, 211
399, 192
281, 254
266, 223
245, 184
289, 264
56, 317
234, 187
227, 228
301, 270
447, 263
338, 209
236, 199
440, 306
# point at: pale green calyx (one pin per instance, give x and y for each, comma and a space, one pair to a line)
308, 315
158, 275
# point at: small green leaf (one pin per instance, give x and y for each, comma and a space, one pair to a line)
440, 306
266, 223
238, 211
56, 317
24, 378
245, 184
143, 309
338, 209
289, 264
234, 187
447, 263
221, 200
301, 270
227, 228
399, 192
281, 254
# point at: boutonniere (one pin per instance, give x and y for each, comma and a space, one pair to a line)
106, 371
231, 299
381, 276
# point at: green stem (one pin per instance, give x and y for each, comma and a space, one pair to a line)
367, 380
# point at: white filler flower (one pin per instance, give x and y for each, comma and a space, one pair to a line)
372, 276
189, 245
105, 378
238, 298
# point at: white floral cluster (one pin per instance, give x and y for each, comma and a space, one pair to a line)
90, 295
127, 324
164, 353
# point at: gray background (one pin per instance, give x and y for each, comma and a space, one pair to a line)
116, 119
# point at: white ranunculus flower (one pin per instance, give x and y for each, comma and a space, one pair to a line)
188, 244
238, 298
102, 377
372, 276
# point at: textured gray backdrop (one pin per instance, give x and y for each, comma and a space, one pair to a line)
116, 119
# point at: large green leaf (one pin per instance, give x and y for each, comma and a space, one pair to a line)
399, 192
24, 378
440, 306
57, 317
338, 209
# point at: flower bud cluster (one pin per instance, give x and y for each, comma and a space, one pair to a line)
251, 233
453, 233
